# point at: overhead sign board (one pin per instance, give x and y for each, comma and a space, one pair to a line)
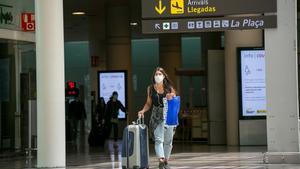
208, 24
198, 8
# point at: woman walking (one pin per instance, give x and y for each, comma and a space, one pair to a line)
160, 88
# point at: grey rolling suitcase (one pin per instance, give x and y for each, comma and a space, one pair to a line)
135, 149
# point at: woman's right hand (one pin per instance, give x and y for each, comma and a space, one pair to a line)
141, 114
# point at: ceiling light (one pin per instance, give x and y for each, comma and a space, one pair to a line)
78, 13
133, 23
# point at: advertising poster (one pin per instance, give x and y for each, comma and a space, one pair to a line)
110, 82
253, 83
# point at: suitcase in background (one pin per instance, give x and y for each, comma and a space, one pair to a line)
135, 140
97, 136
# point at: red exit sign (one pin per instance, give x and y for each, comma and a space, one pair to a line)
28, 22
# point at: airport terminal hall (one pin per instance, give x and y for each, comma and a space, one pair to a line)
149, 84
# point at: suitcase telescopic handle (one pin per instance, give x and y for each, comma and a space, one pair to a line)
140, 120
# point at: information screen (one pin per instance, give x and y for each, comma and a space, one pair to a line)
111, 81
253, 82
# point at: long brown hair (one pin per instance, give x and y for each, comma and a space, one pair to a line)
167, 83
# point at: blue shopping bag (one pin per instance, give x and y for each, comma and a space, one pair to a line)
173, 110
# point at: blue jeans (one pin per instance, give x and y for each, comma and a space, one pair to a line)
163, 140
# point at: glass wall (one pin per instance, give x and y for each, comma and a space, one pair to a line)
145, 57
77, 69
192, 59
27, 94
77, 61
17, 86
7, 93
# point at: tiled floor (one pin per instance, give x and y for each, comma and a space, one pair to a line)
185, 156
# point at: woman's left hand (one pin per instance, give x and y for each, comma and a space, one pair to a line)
170, 96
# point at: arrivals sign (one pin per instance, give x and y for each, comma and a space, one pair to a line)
198, 8
181, 16
208, 24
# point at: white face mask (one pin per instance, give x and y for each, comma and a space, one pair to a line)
159, 78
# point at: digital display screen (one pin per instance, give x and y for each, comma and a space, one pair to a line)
253, 82
111, 81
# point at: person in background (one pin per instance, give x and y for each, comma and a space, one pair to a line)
160, 88
77, 114
100, 111
98, 133
112, 112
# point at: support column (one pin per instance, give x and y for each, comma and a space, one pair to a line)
282, 86
50, 84
234, 39
170, 55
119, 45
209, 41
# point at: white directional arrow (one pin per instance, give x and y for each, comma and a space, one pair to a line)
157, 26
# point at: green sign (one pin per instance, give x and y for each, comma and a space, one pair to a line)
6, 14
208, 24
10, 13
152, 9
